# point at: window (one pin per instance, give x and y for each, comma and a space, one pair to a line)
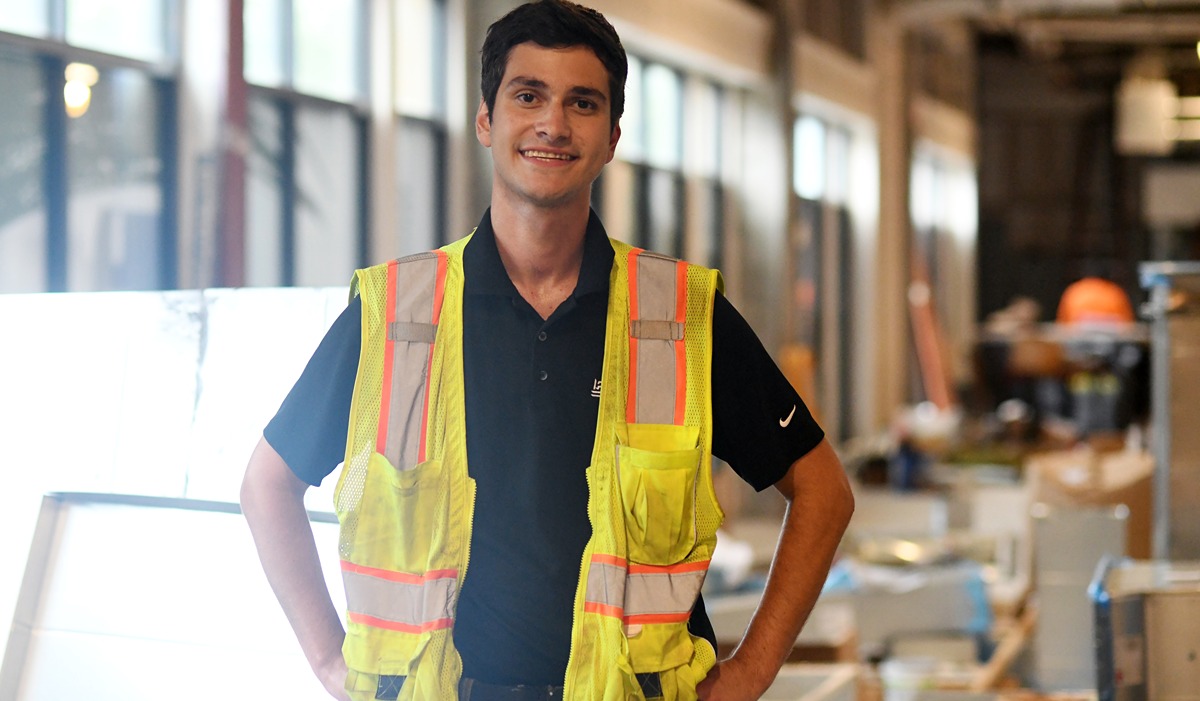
664, 191
114, 223
88, 180
133, 28
306, 214
29, 17
314, 47
704, 197
23, 240
943, 203
305, 178
822, 264
136, 29
419, 29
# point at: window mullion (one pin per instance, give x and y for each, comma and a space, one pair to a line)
54, 173
288, 201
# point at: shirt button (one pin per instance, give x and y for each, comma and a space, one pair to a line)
541, 335
543, 375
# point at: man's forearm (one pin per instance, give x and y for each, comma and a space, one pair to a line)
273, 503
819, 509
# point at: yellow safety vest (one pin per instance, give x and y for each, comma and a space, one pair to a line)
405, 501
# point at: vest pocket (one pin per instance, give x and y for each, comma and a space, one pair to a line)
395, 673
662, 657
658, 477
404, 515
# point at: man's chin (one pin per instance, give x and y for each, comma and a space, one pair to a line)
553, 200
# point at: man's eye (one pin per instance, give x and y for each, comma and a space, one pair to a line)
525, 97
585, 104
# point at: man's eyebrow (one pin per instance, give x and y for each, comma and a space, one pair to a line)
527, 82
576, 90
585, 91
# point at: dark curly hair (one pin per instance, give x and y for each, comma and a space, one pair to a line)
554, 24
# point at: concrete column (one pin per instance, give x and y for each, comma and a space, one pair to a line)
201, 99
381, 134
888, 56
235, 142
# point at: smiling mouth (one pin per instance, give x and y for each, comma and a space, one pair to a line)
548, 155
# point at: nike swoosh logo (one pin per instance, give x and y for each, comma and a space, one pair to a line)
783, 423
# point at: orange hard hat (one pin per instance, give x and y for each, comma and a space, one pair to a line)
1094, 299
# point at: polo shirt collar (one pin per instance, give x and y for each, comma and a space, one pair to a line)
486, 274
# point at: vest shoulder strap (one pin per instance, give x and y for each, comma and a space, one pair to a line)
662, 294
415, 289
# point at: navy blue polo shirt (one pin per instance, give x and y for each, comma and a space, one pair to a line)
532, 396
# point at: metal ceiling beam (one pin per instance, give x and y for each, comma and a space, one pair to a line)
919, 11
1174, 28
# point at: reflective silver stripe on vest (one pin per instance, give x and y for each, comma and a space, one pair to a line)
657, 330
643, 593
411, 332
670, 592
606, 585
399, 601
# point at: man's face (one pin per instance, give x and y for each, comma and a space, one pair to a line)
549, 132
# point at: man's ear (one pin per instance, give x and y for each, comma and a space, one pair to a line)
483, 124
612, 142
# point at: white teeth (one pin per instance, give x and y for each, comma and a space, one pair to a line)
545, 154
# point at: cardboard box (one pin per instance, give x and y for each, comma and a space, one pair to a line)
1146, 639
1087, 477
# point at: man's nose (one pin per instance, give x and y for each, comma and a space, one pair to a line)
553, 123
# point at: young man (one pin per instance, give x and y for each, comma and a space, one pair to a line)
527, 419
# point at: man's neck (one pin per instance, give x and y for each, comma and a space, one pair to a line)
542, 251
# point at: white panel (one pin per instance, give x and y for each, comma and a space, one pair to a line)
134, 28
149, 599
101, 393
903, 514
159, 394
1169, 195
327, 182
256, 345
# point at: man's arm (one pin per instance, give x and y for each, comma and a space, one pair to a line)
819, 507
273, 501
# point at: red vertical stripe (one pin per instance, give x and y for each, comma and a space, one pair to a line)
681, 345
385, 391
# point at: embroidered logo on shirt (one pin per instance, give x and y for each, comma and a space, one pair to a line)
783, 423
596, 388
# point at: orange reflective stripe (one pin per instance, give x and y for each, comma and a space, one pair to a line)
609, 560
395, 625
401, 601
604, 609
394, 576
439, 292
680, 345
385, 395
658, 617
700, 566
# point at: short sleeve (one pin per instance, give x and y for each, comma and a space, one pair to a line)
760, 424
309, 430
